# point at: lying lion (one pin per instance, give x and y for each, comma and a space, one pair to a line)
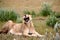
25, 28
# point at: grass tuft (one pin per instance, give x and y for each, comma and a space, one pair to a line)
30, 13
8, 15
46, 10
51, 21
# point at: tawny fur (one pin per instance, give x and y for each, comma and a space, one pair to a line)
6, 27
25, 28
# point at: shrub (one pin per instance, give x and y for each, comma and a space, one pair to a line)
46, 10
30, 13
8, 15
33, 13
26, 12
18, 20
57, 14
51, 20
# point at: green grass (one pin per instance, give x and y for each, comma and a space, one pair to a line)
51, 21
6, 15
30, 13
40, 26
45, 10
57, 14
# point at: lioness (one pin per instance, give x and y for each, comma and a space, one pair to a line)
25, 28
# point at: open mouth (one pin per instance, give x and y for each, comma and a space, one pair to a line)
26, 19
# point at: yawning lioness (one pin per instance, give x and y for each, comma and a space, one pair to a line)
25, 28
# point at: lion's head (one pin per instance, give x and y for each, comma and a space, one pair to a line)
27, 18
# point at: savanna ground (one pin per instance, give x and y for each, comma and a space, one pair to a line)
21, 5
40, 26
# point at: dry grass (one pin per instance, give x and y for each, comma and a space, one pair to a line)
21, 5
39, 25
